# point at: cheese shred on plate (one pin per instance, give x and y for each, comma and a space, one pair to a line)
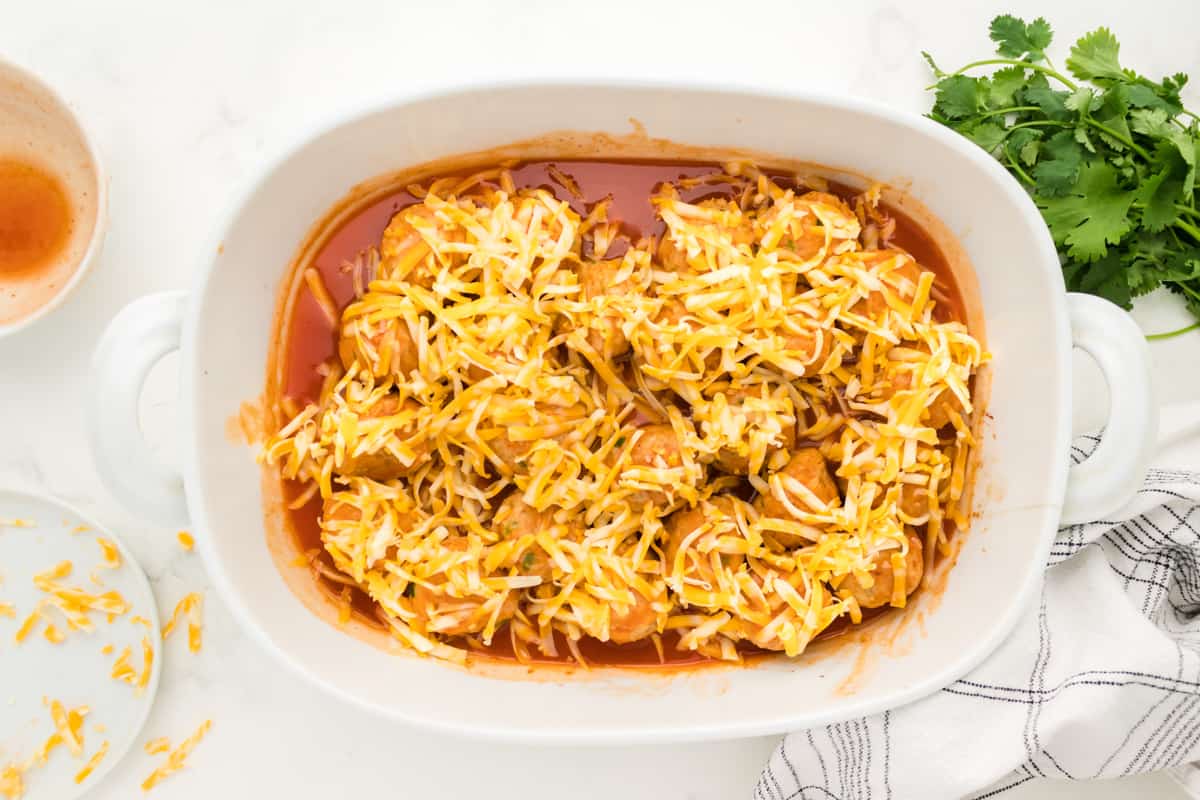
539, 430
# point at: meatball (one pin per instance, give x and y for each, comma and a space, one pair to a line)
656, 446
340, 511
809, 235
809, 467
380, 463
937, 414
670, 256
914, 501
809, 345
879, 593
458, 616
514, 517
721, 514
403, 254
598, 279
385, 348
629, 623
748, 402
901, 279
945, 402
512, 452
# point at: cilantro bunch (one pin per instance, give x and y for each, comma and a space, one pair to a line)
1108, 155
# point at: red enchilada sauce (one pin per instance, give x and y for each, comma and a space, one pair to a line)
312, 340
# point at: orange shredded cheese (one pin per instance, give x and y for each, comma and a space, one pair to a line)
76, 603
92, 763
80, 529
122, 670
176, 758
155, 746
191, 605
110, 553
107, 649
12, 785
16, 523
52, 634
143, 679
68, 726
27, 626
8, 610
185, 540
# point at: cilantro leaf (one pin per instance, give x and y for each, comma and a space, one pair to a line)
957, 97
1157, 196
1058, 169
1150, 121
1093, 215
1005, 84
1095, 57
1105, 278
987, 135
1171, 141
1155, 258
1026, 142
1014, 38
1052, 103
1143, 95
1081, 100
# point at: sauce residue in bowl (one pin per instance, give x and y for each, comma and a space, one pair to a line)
35, 218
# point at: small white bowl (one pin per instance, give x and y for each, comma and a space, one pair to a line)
37, 125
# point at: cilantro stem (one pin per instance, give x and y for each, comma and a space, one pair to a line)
1191, 212
1015, 167
1154, 337
1014, 63
1009, 110
1127, 141
1039, 123
1190, 230
1187, 289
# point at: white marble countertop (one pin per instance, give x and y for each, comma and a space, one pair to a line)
189, 102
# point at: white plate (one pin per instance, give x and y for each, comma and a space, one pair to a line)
75, 671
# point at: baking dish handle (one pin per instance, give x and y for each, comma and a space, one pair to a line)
1112, 474
136, 339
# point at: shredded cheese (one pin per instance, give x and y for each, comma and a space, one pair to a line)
92, 763
110, 553
12, 784
504, 439
75, 603
192, 605
185, 540
176, 758
155, 746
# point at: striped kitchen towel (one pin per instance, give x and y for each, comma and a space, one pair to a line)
1101, 680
